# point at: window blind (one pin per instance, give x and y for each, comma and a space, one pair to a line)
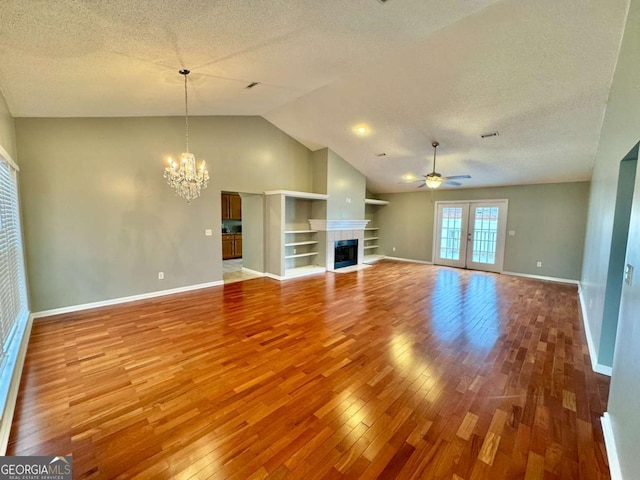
13, 294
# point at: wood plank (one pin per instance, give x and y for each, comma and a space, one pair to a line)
398, 371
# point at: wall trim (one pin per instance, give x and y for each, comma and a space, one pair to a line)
253, 272
274, 277
117, 301
411, 260
542, 277
302, 273
610, 444
12, 393
593, 352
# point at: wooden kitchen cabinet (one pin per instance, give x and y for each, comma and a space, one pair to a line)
231, 245
231, 206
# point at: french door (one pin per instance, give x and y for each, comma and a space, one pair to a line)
470, 234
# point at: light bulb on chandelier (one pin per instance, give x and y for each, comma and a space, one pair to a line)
186, 178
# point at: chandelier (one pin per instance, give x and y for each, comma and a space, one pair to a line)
186, 178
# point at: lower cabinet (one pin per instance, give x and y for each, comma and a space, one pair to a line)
231, 245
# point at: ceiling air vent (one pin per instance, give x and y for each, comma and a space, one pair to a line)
381, 154
252, 84
487, 135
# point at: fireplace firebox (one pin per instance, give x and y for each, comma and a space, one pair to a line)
346, 253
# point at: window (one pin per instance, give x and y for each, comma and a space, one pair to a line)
13, 292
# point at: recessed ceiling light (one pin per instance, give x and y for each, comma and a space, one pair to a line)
252, 84
362, 130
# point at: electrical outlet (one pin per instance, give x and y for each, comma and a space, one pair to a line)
160, 275
208, 232
295, 250
394, 249
512, 233
348, 200
538, 264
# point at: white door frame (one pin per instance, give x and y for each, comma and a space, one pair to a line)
465, 250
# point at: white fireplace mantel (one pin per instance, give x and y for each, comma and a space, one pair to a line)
332, 225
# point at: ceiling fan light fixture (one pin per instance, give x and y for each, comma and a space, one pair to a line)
433, 181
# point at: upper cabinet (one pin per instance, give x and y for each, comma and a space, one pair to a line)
231, 206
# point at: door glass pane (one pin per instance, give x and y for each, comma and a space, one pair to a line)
450, 233
485, 234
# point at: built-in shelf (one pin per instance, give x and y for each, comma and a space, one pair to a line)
371, 238
300, 231
367, 247
372, 258
373, 201
371, 228
304, 270
294, 244
299, 255
291, 193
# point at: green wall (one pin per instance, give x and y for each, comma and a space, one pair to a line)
346, 188
344, 184
620, 132
100, 221
548, 220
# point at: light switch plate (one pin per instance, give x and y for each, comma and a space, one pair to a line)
208, 232
512, 233
628, 274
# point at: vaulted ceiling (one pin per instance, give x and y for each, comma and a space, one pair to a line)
407, 71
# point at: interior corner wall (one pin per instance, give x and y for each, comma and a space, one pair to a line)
620, 132
319, 159
7, 130
619, 237
253, 233
548, 221
100, 221
346, 187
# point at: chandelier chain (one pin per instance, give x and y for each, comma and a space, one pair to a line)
186, 109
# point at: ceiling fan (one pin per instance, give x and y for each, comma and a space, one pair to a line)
434, 180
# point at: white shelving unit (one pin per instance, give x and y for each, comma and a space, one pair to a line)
371, 233
373, 201
297, 247
371, 239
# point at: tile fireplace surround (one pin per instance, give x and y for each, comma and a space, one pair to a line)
340, 230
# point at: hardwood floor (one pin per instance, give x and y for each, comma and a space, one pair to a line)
397, 371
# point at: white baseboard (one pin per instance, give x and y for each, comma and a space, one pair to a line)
593, 352
411, 260
542, 277
301, 273
15, 370
116, 301
252, 272
610, 444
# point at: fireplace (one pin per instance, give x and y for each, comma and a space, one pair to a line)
346, 253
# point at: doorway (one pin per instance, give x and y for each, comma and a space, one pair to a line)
242, 233
470, 234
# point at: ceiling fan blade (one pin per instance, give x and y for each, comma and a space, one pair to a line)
455, 177
423, 185
451, 182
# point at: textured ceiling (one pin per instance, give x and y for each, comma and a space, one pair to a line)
411, 71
